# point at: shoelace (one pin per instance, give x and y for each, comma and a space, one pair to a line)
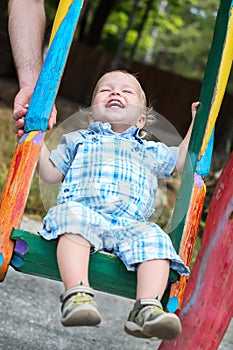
81, 298
153, 310
157, 309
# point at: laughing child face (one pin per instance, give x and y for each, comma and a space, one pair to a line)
118, 99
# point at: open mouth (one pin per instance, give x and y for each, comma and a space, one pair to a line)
114, 103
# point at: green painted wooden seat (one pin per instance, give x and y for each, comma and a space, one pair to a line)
36, 256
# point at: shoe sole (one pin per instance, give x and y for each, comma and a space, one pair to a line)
135, 330
166, 327
82, 316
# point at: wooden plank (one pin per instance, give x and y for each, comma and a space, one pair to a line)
188, 241
218, 67
208, 304
213, 88
15, 191
45, 91
34, 255
207, 94
221, 81
62, 10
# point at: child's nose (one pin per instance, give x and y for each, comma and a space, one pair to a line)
115, 92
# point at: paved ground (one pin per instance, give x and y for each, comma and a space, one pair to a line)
30, 318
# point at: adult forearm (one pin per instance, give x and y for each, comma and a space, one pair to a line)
26, 30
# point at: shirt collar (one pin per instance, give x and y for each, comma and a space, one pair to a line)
105, 129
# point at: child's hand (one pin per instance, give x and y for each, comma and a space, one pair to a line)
194, 108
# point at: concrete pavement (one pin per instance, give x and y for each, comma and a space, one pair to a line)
30, 318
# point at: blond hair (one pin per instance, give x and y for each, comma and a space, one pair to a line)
142, 93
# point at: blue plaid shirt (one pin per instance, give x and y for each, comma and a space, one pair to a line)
114, 172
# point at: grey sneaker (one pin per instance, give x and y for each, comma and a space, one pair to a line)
79, 308
148, 320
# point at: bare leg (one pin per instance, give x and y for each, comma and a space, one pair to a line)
152, 277
73, 260
147, 318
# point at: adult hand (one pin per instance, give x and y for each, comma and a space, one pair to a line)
21, 104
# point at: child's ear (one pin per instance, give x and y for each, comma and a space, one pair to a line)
141, 121
90, 117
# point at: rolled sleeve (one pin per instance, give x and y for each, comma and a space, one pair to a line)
63, 155
166, 158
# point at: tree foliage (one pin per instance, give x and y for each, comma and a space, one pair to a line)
186, 50
173, 35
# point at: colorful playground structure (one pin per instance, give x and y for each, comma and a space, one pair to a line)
205, 304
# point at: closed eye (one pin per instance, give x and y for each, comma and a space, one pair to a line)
104, 90
128, 91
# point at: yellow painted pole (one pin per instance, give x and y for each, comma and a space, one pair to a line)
62, 10
222, 79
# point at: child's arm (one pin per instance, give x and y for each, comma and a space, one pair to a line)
47, 171
184, 144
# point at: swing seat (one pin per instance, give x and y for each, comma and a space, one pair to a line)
36, 256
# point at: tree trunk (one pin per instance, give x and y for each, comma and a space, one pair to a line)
117, 59
140, 29
101, 14
83, 20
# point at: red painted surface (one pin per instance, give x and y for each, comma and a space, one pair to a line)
14, 197
189, 235
208, 303
16, 159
